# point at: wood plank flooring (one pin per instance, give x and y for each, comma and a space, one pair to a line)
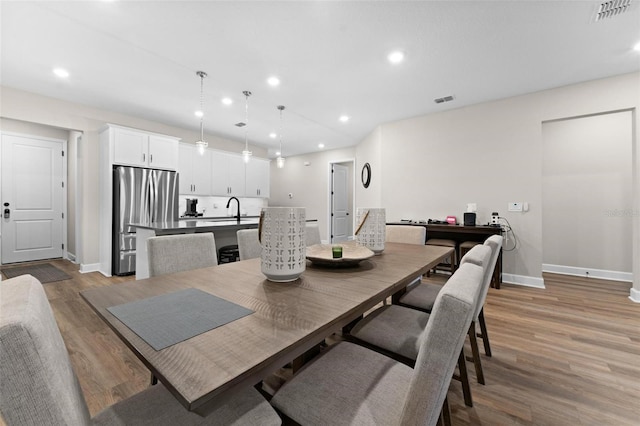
566, 355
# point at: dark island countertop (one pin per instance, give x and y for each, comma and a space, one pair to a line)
199, 225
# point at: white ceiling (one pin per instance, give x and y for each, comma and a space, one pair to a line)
141, 57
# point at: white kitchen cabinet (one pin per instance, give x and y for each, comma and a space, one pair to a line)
134, 147
227, 174
194, 170
257, 178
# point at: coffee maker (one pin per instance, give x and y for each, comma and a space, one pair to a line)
191, 208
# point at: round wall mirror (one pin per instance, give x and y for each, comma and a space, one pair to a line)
365, 175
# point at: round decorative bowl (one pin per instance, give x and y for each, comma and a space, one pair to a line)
352, 254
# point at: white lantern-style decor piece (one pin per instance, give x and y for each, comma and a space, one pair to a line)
371, 228
282, 233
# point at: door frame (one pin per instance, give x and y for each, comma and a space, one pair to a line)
65, 179
352, 161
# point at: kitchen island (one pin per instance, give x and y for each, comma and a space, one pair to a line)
224, 231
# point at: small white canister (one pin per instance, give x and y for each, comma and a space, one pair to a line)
284, 250
371, 231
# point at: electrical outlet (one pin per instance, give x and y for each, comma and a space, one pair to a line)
515, 207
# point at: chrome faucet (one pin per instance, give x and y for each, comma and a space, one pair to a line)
238, 201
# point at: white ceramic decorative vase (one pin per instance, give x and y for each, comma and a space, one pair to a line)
284, 249
372, 232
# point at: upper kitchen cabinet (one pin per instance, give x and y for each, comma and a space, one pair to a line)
134, 147
257, 175
194, 170
227, 174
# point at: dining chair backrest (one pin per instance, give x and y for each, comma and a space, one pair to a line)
168, 254
37, 382
442, 341
249, 246
480, 255
312, 233
495, 243
407, 234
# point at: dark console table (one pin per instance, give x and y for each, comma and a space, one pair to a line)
460, 234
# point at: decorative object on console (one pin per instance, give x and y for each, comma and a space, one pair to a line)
282, 233
371, 231
246, 154
201, 144
452, 220
280, 159
469, 219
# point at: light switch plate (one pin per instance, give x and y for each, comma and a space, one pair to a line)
515, 207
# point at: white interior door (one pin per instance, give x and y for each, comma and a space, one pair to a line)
32, 198
339, 204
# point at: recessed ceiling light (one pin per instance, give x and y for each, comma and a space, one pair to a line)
278, 153
637, 47
61, 72
320, 145
273, 81
344, 118
199, 114
273, 135
227, 101
396, 57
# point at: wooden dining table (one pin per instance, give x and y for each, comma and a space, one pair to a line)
288, 319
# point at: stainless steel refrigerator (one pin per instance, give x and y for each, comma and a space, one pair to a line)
139, 196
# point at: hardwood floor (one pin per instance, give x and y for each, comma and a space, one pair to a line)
566, 355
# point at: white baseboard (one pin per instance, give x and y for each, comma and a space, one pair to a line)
588, 272
71, 257
523, 280
634, 295
89, 267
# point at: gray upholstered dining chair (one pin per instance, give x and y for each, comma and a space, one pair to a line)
39, 385
397, 331
168, 254
423, 296
249, 246
312, 233
349, 384
408, 234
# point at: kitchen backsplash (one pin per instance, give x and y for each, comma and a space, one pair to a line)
216, 206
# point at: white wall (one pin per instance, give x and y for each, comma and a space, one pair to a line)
308, 185
32, 108
491, 154
369, 151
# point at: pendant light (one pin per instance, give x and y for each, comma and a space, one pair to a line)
201, 144
280, 160
246, 154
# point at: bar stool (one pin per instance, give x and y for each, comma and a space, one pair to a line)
228, 254
446, 243
466, 246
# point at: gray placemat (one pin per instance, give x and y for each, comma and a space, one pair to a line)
165, 320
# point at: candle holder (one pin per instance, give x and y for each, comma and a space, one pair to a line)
282, 235
336, 251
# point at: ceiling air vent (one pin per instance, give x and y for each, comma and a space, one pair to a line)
612, 8
443, 99
241, 124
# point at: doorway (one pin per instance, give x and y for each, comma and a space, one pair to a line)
587, 188
33, 197
341, 201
